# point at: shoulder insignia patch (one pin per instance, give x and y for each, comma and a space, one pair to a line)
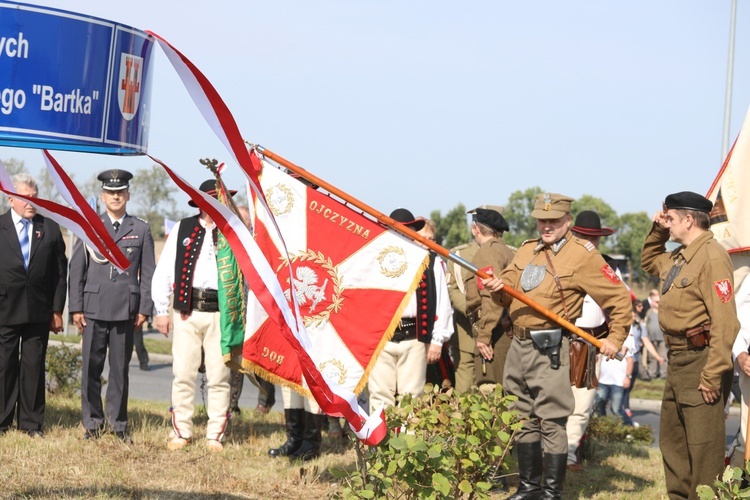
142, 220
723, 290
533, 240
589, 246
610, 274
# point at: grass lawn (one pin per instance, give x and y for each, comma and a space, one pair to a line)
64, 465
648, 389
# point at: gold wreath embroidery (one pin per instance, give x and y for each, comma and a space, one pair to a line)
338, 365
387, 268
336, 299
280, 203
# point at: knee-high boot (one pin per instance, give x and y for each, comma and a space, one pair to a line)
555, 466
295, 428
312, 438
529, 470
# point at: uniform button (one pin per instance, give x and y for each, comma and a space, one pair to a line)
424, 324
424, 316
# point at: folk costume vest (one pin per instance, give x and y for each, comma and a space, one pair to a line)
426, 303
190, 239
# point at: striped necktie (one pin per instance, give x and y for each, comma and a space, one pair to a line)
23, 238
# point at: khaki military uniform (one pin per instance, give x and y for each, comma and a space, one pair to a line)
456, 277
486, 313
692, 432
544, 394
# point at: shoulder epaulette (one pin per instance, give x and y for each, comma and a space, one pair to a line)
458, 248
532, 240
140, 219
585, 244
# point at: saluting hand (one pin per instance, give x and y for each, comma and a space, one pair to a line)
661, 219
709, 395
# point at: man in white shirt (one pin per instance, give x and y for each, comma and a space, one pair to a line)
187, 270
426, 323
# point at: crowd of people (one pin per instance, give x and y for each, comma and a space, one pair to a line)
456, 330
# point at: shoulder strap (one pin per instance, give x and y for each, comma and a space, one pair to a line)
557, 282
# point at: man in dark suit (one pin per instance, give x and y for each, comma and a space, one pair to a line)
33, 273
107, 306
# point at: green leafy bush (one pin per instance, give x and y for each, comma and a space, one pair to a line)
63, 366
612, 429
729, 487
439, 446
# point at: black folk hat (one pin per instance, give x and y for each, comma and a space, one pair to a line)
209, 187
407, 218
687, 200
491, 218
588, 223
115, 179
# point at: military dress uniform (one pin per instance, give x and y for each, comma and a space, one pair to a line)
696, 286
544, 395
110, 302
456, 278
486, 313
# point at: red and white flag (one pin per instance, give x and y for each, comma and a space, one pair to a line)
730, 218
351, 278
79, 219
333, 399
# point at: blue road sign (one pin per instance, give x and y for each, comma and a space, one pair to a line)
73, 82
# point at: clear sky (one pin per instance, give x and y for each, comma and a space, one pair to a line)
425, 104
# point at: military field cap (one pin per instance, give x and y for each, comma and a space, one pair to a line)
497, 208
687, 200
209, 187
491, 218
588, 223
115, 180
407, 218
551, 206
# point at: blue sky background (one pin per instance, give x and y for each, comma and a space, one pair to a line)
425, 104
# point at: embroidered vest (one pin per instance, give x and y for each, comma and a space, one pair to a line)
426, 303
189, 242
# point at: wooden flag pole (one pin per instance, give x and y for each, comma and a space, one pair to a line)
429, 244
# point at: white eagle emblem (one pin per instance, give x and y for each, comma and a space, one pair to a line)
306, 289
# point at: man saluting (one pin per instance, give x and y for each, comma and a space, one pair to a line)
698, 316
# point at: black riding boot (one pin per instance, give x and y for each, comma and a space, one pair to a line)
312, 438
555, 466
529, 471
295, 428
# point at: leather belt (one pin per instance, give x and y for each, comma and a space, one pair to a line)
406, 330
522, 333
205, 300
598, 330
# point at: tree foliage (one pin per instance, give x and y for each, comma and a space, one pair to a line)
13, 167
630, 228
518, 215
151, 193
452, 230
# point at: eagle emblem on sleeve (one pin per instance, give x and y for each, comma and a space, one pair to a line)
723, 290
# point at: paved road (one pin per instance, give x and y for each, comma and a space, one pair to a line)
156, 384
646, 412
